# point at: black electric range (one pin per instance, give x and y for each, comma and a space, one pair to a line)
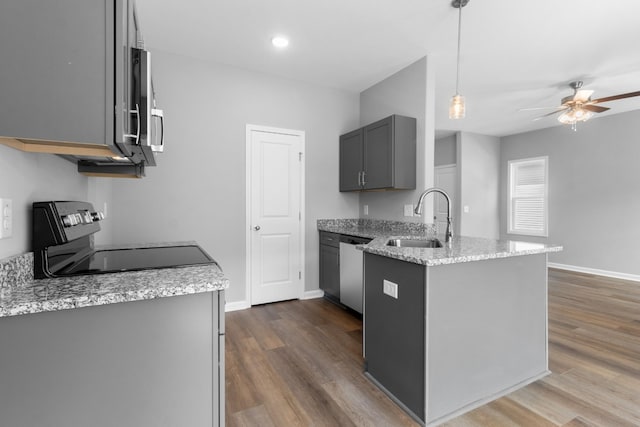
62, 243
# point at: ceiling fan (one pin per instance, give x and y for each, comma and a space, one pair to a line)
579, 107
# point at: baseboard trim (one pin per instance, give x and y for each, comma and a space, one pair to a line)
318, 293
595, 271
484, 401
236, 305
243, 305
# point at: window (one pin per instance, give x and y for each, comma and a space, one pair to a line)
528, 196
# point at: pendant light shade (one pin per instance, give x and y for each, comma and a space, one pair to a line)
456, 106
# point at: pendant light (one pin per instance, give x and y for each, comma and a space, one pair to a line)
456, 106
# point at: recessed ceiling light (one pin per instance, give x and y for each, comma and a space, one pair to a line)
280, 42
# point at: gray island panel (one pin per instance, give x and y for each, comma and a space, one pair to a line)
486, 331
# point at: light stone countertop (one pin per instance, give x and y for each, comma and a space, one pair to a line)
21, 294
461, 248
372, 228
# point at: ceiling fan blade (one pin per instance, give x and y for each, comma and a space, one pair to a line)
582, 95
551, 113
615, 97
540, 108
594, 108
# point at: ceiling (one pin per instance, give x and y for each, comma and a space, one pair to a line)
514, 54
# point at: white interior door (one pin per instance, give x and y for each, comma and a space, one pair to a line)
275, 214
445, 178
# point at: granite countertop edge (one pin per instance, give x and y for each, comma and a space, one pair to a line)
68, 303
445, 256
461, 249
21, 294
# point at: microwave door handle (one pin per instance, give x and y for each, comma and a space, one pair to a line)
137, 135
155, 112
148, 84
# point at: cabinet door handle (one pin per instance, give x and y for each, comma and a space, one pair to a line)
363, 180
257, 228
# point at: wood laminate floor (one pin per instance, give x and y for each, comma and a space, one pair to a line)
298, 363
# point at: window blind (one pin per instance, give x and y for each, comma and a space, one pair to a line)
528, 197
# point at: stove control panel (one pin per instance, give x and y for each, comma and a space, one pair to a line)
97, 216
61, 230
82, 217
71, 220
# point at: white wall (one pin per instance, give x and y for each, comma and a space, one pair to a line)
29, 177
409, 92
100, 194
478, 160
197, 192
594, 190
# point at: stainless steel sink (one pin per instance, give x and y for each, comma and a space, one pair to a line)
415, 243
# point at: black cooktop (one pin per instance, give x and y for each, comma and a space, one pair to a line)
62, 242
131, 259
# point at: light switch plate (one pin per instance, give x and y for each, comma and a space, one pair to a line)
366, 209
6, 218
408, 210
390, 288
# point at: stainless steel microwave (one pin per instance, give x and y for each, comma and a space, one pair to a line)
94, 105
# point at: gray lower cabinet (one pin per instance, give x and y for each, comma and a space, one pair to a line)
330, 264
381, 155
394, 333
148, 363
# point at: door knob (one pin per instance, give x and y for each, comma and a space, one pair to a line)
257, 227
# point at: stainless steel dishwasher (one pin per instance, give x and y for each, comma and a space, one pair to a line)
351, 271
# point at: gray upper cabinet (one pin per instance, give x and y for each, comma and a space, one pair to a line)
54, 71
68, 78
379, 156
351, 161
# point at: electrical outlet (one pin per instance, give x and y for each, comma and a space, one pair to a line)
390, 288
6, 218
366, 209
408, 210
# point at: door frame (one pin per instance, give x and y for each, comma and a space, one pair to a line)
248, 205
456, 213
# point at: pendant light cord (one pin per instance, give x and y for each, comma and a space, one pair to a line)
459, 33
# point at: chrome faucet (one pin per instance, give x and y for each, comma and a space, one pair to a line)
418, 210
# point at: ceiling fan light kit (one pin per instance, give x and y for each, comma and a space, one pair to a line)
579, 107
457, 106
574, 116
576, 103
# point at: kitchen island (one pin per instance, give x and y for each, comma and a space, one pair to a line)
449, 329
139, 348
